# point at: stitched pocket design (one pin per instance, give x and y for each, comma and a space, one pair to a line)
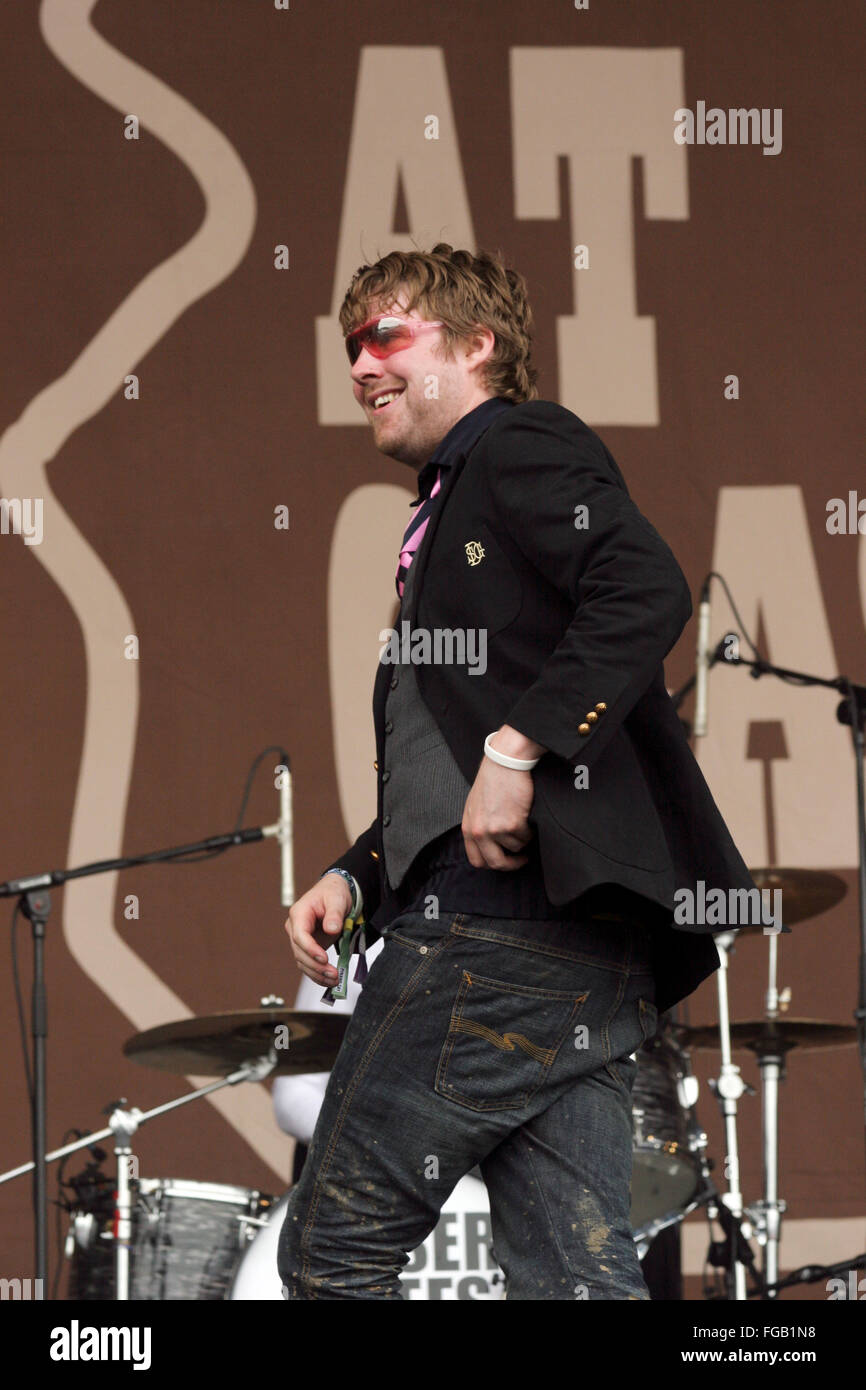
502, 1040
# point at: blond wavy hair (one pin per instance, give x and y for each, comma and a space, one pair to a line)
464, 291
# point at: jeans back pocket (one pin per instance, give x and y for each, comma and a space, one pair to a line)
503, 1038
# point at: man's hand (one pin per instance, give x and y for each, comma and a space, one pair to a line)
315, 921
495, 817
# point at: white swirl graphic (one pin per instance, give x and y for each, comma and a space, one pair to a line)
29, 445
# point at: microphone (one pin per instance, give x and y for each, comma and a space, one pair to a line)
284, 787
843, 711
703, 661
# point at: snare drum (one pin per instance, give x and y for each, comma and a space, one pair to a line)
187, 1241
190, 1236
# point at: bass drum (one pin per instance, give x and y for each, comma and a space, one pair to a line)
455, 1262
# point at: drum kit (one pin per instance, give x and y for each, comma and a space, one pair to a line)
665, 1097
168, 1238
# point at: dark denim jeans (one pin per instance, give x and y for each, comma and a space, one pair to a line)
491, 1042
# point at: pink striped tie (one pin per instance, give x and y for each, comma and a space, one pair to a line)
415, 534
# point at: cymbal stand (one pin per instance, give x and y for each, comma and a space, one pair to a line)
728, 1089
767, 1213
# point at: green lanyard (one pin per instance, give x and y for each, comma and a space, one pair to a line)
352, 927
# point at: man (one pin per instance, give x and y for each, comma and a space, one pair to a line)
538, 806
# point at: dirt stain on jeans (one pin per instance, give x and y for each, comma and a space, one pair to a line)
596, 1229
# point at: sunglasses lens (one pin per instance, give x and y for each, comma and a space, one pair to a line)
389, 335
381, 338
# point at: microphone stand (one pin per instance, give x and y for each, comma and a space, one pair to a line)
851, 711
35, 904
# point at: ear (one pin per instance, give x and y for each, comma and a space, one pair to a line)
479, 346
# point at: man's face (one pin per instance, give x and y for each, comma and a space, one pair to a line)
433, 392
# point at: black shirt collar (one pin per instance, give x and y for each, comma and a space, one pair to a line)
459, 440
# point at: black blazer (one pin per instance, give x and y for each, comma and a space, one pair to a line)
578, 620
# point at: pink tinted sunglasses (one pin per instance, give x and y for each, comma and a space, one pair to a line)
384, 335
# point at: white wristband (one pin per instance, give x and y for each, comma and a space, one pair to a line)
519, 764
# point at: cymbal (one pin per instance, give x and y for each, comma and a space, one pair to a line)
218, 1044
768, 1035
805, 893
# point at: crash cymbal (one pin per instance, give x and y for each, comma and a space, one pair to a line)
767, 1035
805, 893
219, 1043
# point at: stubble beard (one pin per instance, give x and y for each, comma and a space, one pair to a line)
413, 446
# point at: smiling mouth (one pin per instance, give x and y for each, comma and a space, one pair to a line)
380, 403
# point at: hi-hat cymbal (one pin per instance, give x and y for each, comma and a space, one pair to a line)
771, 1034
219, 1043
805, 893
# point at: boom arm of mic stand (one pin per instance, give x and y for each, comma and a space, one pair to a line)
255, 1070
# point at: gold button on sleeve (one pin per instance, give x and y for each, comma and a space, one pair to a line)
601, 707
583, 729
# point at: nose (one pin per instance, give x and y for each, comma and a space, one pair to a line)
365, 368
363, 362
